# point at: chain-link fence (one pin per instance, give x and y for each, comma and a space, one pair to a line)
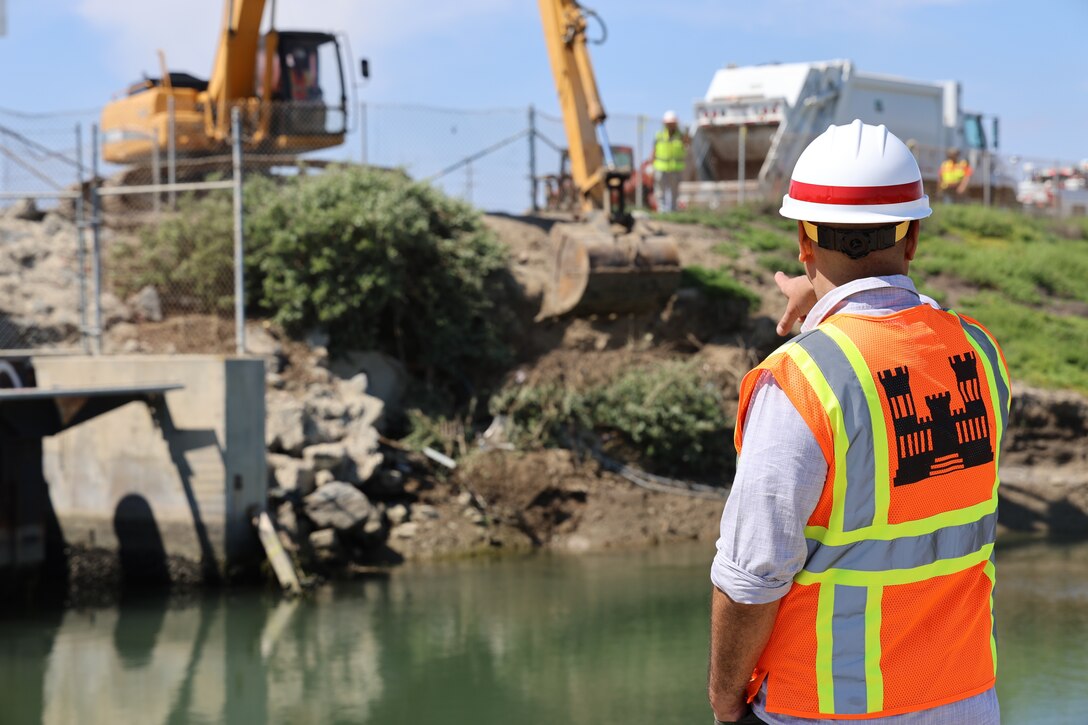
43, 260
505, 159
126, 240
102, 253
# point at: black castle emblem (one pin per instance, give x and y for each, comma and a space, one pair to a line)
946, 440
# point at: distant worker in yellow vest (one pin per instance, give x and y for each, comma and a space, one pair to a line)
854, 574
955, 173
670, 149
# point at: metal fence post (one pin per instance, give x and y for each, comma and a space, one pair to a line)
742, 148
96, 246
81, 247
532, 159
171, 154
156, 172
239, 278
986, 181
640, 127
362, 132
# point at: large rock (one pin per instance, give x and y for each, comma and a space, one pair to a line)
326, 456
285, 424
386, 378
26, 210
361, 444
346, 509
291, 474
146, 304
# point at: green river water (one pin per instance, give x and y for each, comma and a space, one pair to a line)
601, 638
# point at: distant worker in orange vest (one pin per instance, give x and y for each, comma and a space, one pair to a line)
954, 175
670, 154
854, 573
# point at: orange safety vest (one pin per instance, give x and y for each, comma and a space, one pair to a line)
893, 610
952, 172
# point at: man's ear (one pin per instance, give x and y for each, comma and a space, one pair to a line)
910, 242
804, 245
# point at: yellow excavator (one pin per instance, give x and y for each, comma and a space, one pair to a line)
288, 84
609, 261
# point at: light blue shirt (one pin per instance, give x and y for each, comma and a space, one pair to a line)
780, 476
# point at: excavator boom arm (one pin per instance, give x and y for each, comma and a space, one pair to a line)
234, 71
565, 36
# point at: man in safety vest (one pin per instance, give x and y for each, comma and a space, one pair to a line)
954, 175
854, 572
670, 150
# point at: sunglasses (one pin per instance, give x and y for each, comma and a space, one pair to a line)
856, 243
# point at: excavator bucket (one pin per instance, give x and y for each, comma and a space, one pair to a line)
599, 271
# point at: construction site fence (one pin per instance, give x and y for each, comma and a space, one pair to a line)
91, 264
101, 272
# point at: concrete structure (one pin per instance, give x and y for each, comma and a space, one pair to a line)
183, 479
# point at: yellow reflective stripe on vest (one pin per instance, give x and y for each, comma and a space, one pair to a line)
882, 466
808, 367
991, 574
941, 567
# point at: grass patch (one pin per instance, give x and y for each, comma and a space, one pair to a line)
733, 218
760, 239
1041, 348
1022, 258
773, 262
1020, 272
726, 249
719, 284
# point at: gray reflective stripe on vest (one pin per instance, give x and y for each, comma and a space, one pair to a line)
905, 552
983, 341
848, 650
860, 504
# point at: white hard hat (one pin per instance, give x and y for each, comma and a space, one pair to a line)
669, 117
856, 174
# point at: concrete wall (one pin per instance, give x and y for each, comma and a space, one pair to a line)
181, 479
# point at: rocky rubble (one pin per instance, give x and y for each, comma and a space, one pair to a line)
39, 282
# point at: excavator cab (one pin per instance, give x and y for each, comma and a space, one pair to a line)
306, 81
289, 85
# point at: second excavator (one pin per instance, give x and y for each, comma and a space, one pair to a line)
608, 261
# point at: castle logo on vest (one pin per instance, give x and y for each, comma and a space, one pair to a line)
946, 440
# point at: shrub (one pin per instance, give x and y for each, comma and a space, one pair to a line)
667, 416
187, 258
377, 260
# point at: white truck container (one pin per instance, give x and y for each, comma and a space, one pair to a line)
755, 121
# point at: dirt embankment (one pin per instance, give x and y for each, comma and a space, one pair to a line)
550, 498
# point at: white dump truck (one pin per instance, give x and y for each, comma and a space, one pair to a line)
755, 121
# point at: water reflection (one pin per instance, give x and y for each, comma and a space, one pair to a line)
542, 639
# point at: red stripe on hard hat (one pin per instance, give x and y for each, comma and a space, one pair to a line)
860, 195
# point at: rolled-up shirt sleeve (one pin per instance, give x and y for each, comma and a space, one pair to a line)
780, 475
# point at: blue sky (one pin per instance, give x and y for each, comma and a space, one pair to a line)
1028, 66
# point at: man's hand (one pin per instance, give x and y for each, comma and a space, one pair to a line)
800, 298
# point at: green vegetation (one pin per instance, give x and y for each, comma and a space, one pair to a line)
719, 284
1041, 348
377, 260
1021, 276
186, 258
666, 416
733, 218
